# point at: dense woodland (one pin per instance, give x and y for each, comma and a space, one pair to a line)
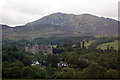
82, 62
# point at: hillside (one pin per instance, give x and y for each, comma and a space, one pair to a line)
62, 25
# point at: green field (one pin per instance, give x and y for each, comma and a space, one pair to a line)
54, 46
104, 46
97, 36
89, 43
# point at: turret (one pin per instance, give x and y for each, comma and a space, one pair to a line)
27, 48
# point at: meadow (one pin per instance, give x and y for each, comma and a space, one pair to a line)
104, 46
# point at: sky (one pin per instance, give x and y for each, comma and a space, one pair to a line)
20, 12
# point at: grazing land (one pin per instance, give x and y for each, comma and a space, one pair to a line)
104, 46
87, 44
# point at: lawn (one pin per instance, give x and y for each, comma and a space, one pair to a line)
104, 46
89, 43
54, 46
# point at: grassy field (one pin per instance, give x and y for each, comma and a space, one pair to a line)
86, 44
54, 46
98, 36
104, 46
89, 43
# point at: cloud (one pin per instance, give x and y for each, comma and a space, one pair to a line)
16, 12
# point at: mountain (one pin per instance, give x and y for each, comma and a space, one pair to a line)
60, 25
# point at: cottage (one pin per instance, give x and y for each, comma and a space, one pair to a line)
35, 63
62, 64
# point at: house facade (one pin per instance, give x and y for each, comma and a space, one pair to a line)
35, 63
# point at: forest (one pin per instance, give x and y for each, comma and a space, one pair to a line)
83, 63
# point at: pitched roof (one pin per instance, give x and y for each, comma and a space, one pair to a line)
61, 62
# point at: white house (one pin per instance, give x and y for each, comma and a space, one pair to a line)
35, 63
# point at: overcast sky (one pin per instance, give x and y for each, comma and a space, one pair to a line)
20, 12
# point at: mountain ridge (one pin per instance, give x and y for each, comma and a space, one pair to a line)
61, 24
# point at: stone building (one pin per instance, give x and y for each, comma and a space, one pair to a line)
47, 49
